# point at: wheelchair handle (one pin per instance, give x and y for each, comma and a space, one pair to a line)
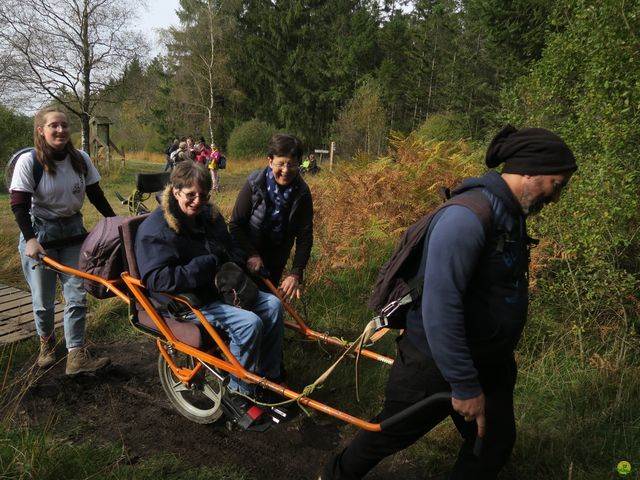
263, 272
424, 403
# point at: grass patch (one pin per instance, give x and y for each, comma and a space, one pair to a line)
28, 454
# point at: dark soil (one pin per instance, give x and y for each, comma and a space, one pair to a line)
125, 404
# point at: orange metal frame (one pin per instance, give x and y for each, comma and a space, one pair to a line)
229, 364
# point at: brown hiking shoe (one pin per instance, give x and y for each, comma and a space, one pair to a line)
47, 355
81, 360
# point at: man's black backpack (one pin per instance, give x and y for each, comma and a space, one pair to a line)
398, 287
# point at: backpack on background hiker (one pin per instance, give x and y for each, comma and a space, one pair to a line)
173, 158
398, 286
222, 162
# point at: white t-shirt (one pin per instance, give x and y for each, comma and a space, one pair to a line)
59, 195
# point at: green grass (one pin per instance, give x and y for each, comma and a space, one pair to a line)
28, 454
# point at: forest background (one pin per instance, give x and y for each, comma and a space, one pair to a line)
385, 80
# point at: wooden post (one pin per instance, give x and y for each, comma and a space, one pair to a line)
331, 150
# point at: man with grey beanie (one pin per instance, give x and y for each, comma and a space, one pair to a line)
461, 335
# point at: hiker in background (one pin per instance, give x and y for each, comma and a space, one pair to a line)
47, 192
310, 165
191, 149
203, 143
204, 153
273, 210
460, 337
214, 168
170, 149
179, 155
181, 247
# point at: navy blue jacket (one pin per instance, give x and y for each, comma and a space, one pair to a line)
475, 295
175, 258
248, 226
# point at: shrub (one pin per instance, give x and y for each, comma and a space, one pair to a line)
445, 126
16, 132
585, 88
361, 125
250, 139
359, 209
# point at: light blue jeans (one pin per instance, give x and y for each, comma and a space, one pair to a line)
42, 281
255, 336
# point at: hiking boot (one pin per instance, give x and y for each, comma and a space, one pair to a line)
47, 355
80, 360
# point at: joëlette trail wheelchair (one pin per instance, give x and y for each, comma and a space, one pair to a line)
194, 360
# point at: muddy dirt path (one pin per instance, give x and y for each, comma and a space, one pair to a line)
125, 404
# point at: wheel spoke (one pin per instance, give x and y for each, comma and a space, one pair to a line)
209, 392
180, 387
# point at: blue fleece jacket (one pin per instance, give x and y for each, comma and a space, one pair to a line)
474, 302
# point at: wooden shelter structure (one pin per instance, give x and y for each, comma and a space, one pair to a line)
101, 144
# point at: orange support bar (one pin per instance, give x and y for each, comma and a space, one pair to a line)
109, 284
304, 329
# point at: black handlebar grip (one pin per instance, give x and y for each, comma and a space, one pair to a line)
425, 402
407, 412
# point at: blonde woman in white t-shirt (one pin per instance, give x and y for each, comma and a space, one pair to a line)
46, 198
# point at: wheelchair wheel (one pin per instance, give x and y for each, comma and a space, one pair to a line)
202, 401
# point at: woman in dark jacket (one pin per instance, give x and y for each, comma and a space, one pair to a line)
273, 210
180, 248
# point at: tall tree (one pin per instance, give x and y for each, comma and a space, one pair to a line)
517, 27
200, 51
301, 60
68, 51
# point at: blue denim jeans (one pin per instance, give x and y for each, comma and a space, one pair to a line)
42, 281
255, 336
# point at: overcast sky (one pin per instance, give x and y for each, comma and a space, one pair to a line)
159, 14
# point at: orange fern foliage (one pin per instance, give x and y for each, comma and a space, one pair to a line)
362, 204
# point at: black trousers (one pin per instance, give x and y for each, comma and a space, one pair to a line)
415, 376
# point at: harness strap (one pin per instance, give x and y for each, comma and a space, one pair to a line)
382, 320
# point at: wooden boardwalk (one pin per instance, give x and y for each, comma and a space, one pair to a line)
16, 315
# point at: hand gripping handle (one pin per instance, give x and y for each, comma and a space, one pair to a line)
424, 403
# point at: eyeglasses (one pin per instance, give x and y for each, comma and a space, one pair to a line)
288, 166
191, 196
56, 126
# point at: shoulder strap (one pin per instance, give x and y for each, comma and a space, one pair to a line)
478, 203
37, 170
474, 200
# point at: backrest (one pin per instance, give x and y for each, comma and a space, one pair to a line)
128, 231
101, 255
